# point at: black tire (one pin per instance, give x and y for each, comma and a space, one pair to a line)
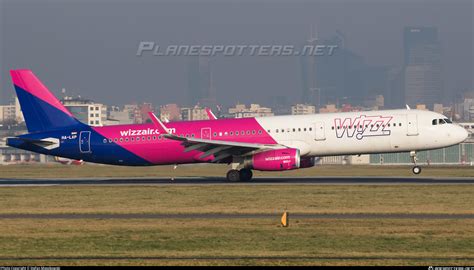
416, 170
245, 174
233, 176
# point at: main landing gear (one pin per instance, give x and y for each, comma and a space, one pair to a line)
416, 169
239, 175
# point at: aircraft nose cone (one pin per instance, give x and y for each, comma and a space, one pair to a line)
462, 134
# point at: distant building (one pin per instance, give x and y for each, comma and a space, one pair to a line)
423, 70
298, 109
375, 102
329, 108
86, 111
170, 112
11, 112
134, 112
117, 116
255, 110
200, 83
422, 84
308, 69
144, 109
194, 113
421, 107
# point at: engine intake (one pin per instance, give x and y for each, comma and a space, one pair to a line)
274, 160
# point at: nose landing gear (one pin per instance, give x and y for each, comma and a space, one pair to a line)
416, 169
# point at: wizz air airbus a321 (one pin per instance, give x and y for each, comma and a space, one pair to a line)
276, 143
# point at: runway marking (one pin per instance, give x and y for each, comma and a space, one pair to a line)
240, 216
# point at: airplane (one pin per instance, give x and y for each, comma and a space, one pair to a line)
277, 143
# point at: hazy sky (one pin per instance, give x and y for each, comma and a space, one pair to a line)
89, 47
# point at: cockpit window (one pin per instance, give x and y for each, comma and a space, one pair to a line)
441, 121
434, 122
448, 121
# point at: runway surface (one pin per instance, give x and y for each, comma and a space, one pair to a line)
256, 181
238, 216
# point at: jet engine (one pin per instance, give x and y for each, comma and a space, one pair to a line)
274, 160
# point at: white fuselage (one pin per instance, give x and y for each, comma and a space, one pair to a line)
363, 132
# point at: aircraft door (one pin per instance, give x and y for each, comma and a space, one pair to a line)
412, 124
85, 141
320, 134
206, 133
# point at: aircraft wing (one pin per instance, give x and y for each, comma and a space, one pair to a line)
220, 149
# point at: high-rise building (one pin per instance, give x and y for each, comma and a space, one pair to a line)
200, 85
422, 70
308, 70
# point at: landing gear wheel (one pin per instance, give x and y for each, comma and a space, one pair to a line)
233, 176
245, 174
416, 170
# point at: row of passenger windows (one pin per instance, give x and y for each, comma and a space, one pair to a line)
132, 139
290, 129
366, 126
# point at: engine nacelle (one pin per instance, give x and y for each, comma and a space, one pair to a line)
274, 160
307, 162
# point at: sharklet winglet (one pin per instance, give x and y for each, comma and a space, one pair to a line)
210, 114
161, 127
